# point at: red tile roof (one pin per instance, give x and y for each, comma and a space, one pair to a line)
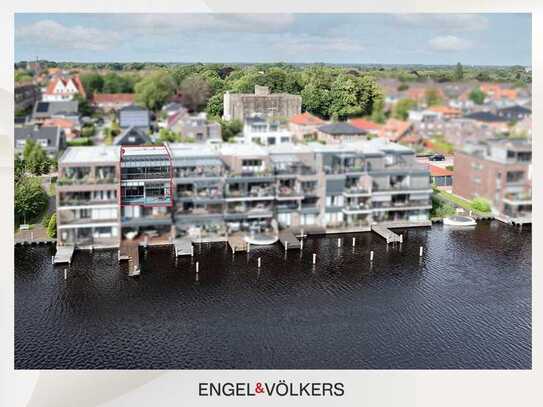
59, 122
306, 119
365, 124
113, 98
437, 171
77, 82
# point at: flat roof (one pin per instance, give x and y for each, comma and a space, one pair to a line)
90, 154
245, 149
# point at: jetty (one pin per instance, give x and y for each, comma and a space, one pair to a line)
64, 254
386, 233
129, 251
183, 247
289, 240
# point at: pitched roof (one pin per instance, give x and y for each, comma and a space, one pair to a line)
364, 124
75, 79
59, 122
113, 98
52, 134
306, 119
517, 109
132, 136
394, 129
47, 109
340, 129
436, 171
445, 110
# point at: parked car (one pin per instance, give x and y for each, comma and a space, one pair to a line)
437, 157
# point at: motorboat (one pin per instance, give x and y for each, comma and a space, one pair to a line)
459, 220
261, 239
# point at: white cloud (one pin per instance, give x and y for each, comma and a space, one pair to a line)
305, 44
51, 34
179, 23
448, 43
445, 22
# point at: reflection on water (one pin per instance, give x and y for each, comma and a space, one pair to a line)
464, 304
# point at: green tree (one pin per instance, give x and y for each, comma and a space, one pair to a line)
30, 199
459, 72
115, 83
155, 89
432, 97
52, 226
215, 106
378, 113
230, 129
35, 158
477, 96
93, 83
168, 136
402, 108
85, 109
19, 168
196, 91
481, 205
316, 100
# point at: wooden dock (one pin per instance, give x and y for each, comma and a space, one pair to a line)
237, 242
386, 233
64, 254
289, 240
129, 251
183, 247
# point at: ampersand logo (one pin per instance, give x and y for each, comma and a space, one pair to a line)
259, 389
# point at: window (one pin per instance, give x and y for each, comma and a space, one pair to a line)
21, 143
43, 142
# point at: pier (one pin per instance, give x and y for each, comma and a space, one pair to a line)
289, 240
386, 233
183, 247
129, 251
64, 254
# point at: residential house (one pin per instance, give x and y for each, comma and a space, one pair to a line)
368, 126
108, 102
51, 110
26, 95
132, 136
63, 89
194, 126
394, 129
265, 131
240, 106
440, 177
70, 128
304, 126
340, 132
514, 113
51, 139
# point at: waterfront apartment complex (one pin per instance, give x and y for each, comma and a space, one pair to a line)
498, 170
109, 193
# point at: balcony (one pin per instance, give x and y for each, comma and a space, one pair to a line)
517, 199
356, 191
146, 200
288, 193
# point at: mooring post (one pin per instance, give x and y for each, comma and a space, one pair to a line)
248, 247
401, 238
197, 267
314, 258
354, 241
302, 244
420, 251
286, 245
371, 255
65, 274
339, 242
259, 262
53, 260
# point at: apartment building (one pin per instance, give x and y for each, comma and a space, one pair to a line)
265, 131
498, 170
209, 191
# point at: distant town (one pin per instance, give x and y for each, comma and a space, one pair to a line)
150, 153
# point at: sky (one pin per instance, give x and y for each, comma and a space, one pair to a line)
433, 39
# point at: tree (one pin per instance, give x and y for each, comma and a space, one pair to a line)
230, 129
378, 113
115, 83
402, 108
215, 106
19, 168
316, 100
155, 89
92, 82
30, 198
481, 205
477, 96
52, 226
459, 72
432, 97
168, 136
196, 91
83, 105
35, 158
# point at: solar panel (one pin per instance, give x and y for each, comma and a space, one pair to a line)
42, 107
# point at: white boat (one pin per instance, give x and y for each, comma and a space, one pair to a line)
261, 239
459, 220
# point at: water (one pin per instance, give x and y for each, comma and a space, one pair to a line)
465, 304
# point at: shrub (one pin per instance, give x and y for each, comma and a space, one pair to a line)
46, 219
481, 205
78, 142
52, 227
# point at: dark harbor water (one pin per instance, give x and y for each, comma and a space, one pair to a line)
465, 304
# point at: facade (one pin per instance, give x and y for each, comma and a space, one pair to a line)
106, 194
265, 131
441, 177
63, 89
240, 106
499, 171
134, 116
26, 96
51, 139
